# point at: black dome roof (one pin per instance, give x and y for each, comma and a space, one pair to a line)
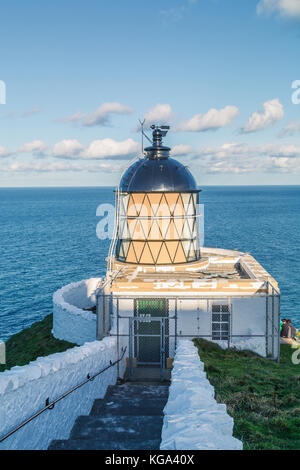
166, 174
158, 172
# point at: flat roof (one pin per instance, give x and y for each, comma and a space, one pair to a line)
218, 272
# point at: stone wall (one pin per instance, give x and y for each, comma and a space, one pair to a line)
24, 390
193, 420
70, 321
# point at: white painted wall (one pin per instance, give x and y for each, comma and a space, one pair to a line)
23, 391
249, 318
70, 321
194, 318
126, 309
193, 420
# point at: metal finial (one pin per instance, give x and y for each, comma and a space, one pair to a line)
158, 133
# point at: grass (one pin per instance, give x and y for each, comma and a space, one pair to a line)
263, 397
31, 343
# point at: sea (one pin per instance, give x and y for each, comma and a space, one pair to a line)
48, 239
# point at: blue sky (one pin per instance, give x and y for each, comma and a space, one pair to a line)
79, 75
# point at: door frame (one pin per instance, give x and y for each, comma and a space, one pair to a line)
163, 334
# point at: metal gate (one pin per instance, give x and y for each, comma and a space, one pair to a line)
149, 335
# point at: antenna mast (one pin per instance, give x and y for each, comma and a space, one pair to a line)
142, 126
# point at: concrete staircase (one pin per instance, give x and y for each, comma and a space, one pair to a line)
129, 417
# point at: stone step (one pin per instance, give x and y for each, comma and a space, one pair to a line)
117, 427
129, 417
139, 406
141, 385
144, 391
103, 444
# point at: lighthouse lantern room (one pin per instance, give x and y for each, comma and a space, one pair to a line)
157, 216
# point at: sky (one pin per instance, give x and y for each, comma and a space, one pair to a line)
76, 77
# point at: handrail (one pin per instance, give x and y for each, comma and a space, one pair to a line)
50, 406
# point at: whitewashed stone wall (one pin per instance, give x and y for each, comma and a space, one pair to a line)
193, 420
70, 321
23, 391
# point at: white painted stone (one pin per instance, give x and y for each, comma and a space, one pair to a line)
70, 321
203, 441
205, 391
23, 391
177, 423
193, 420
257, 345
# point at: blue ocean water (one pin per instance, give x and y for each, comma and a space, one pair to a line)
48, 239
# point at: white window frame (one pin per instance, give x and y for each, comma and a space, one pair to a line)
219, 334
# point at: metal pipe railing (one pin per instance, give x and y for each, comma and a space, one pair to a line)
50, 405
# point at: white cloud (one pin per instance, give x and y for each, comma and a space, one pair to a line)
9, 115
212, 120
272, 112
285, 8
25, 114
240, 150
238, 158
110, 148
290, 129
35, 146
283, 165
40, 167
181, 150
173, 14
4, 152
101, 116
73, 118
30, 112
96, 150
47, 167
159, 114
228, 158
283, 151
68, 148
224, 150
176, 13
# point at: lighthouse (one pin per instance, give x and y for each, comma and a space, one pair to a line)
162, 285
157, 210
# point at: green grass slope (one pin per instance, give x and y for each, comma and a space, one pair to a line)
263, 397
31, 343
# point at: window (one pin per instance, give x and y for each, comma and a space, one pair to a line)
220, 322
158, 228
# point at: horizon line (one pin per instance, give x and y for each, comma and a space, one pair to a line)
113, 186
